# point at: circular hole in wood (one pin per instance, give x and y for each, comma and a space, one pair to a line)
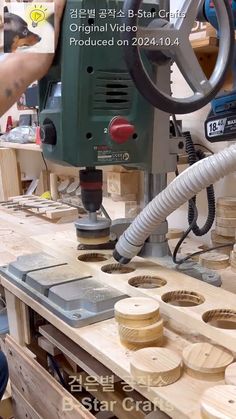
93, 257
116, 268
222, 319
146, 282
183, 298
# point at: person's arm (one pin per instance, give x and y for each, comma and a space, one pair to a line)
19, 70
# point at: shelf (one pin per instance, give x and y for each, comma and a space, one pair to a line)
16, 146
207, 45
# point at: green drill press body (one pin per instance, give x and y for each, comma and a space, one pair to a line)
87, 87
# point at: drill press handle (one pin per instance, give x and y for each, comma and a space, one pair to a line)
172, 40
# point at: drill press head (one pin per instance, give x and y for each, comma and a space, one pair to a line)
91, 113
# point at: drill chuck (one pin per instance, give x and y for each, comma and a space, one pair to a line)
91, 189
92, 230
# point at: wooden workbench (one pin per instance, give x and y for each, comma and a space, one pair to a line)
21, 234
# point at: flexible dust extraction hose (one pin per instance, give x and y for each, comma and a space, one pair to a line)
189, 183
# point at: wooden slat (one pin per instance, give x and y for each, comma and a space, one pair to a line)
18, 146
9, 179
43, 207
17, 326
21, 408
58, 213
39, 388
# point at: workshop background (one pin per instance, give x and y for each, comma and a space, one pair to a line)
32, 164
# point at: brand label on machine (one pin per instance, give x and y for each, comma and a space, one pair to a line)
216, 127
221, 129
108, 155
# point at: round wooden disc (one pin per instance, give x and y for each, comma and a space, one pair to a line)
214, 260
206, 358
233, 257
226, 212
137, 323
219, 402
226, 222
142, 334
174, 233
217, 238
226, 201
136, 309
134, 346
224, 250
230, 374
155, 367
93, 240
225, 231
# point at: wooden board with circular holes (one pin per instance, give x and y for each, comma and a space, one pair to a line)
137, 311
214, 260
147, 334
206, 361
155, 367
219, 402
225, 231
230, 374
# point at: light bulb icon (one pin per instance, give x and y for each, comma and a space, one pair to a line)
37, 15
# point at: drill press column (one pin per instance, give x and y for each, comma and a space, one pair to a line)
93, 230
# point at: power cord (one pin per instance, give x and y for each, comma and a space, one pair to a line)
193, 157
185, 235
45, 163
193, 211
201, 252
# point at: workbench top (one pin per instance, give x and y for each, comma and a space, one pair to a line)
21, 234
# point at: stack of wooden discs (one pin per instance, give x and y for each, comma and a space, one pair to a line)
218, 240
233, 259
214, 260
139, 322
226, 217
225, 224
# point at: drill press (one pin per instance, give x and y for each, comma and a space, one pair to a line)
99, 104
92, 114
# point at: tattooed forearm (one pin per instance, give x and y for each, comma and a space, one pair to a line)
13, 84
